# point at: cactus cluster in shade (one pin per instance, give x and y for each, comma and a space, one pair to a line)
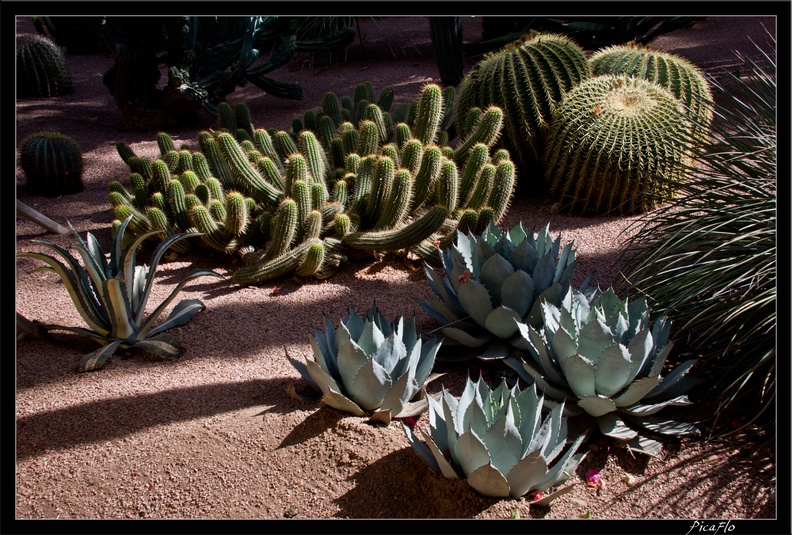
52, 163
41, 68
302, 202
616, 145
526, 79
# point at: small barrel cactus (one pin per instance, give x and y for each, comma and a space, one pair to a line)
675, 73
617, 144
496, 281
526, 79
52, 163
498, 441
602, 357
41, 68
370, 364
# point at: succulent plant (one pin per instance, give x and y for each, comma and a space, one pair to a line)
494, 282
52, 163
526, 79
497, 440
370, 365
675, 73
41, 68
601, 357
614, 143
111, 296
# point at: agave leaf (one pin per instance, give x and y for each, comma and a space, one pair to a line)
381, 417
470, 452
465, 338
101, 340
117, 248
526, 474
371, 338
597, 405
426, 360
547, 500
86, 305
354, 325
299, 366
421, 449
593, 338
564, 345
524, 258
645, 445
370, 385
613, 426
128, 269
551, 295
503, 442
566, 464
641, 347
655, 366
613, 370
438, 310
321, 353
636, 391
351, 359
96, 267
489, 481
530, 375
517, 293
399, 394
118, 307
667, 427
96, 360
445, 467
543, 274
647, 409
668, 384
390, 353
475, 300
536, 346
494, 273
482, 251
181, 314
163, 344
502, 322
147, 325
558, 432
338, 401
329, 337
564, 262
466, 399
530, 413
320, 378
580, 375
440, 286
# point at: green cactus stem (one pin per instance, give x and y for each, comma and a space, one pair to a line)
275, 267
430, 110
314, 259
396, 206
284, 229
402, 238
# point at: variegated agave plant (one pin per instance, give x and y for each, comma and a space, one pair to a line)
498, 441
370, 364
600, 356
495, 282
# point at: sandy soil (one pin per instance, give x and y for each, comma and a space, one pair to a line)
214, 435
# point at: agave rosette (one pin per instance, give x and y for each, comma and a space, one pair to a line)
602, 357
370, 365
497, 440
495, 282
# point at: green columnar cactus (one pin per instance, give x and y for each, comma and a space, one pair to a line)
402, 238
526, 79
41, 68
615, 145
275, 267
52, 164
673, 72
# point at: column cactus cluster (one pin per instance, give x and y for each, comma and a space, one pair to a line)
303, 201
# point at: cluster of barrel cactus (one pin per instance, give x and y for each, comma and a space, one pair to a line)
302, 201
603, 135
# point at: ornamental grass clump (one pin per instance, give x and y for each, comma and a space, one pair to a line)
111, 296
708, 259
497, 440
370, 365
603, 357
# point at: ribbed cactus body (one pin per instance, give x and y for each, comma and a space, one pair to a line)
402, 238
430, 110
526, 79
246, 177
675, 73
273, 268
52, 163
41, 68
613, 140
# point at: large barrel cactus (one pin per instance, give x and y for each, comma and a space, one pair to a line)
526, 79
52, 163
41, 68
616, 146
675, 73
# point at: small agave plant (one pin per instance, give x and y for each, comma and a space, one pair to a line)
371, 365
498, 441
600, 357
111, 295
495, 282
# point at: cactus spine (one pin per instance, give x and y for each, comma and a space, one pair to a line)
41, 68
52, 164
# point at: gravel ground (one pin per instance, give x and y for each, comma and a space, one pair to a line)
214, 435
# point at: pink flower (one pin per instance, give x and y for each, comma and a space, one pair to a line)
410, 421
463, 278
593, 478
276, 291
535, 496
